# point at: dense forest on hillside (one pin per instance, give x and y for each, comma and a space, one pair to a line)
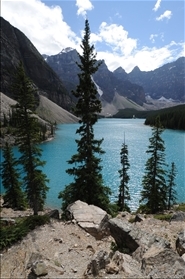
171, 118
130, 113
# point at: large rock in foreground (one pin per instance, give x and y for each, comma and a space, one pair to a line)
89, 217
132, 238
163, 263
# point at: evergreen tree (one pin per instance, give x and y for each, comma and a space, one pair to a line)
171, 184
28, 138
88, 183
14, 196
154, 193
123, 172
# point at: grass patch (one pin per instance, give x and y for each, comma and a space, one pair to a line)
181, 207
163, 217
12, 234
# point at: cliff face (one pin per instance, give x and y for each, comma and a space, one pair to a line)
110, 85
15, 46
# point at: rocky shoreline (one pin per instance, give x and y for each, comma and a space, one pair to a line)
86, 246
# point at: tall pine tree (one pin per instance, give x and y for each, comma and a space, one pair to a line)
88, 183
171, 185
124, 177
35, 181
154, 193
14, 196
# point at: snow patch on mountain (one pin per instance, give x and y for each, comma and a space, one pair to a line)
66, 50
100, 92
172, 67
163, 99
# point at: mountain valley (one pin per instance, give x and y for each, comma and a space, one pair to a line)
55, 76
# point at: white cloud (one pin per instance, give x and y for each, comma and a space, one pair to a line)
167, 14
157, 5
83, 7
116, 38
147, 59
152, 38
43, 25
46, 28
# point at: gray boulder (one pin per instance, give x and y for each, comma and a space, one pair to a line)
120, 231
162, 263
139, 218
89, 217
54, 214
178, 216
127, 265
39, 268
35, 257
180, 243
117, 263
183, 257
130, 237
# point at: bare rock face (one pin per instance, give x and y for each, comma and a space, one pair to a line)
89, 217
180, 243
16, 47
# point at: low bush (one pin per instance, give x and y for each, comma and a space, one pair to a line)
12, 234
163, 217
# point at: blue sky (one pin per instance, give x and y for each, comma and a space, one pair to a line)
147, 34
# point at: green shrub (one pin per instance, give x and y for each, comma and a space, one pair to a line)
113, 209
163, 217
11, 234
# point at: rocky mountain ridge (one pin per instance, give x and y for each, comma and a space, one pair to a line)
166, 81
163, 87
64, 64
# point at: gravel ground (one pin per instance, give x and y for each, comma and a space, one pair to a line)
67, 249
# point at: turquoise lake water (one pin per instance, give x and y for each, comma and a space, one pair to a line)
58, 151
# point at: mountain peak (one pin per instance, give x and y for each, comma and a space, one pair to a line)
136, 69
66, 50
119, 70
